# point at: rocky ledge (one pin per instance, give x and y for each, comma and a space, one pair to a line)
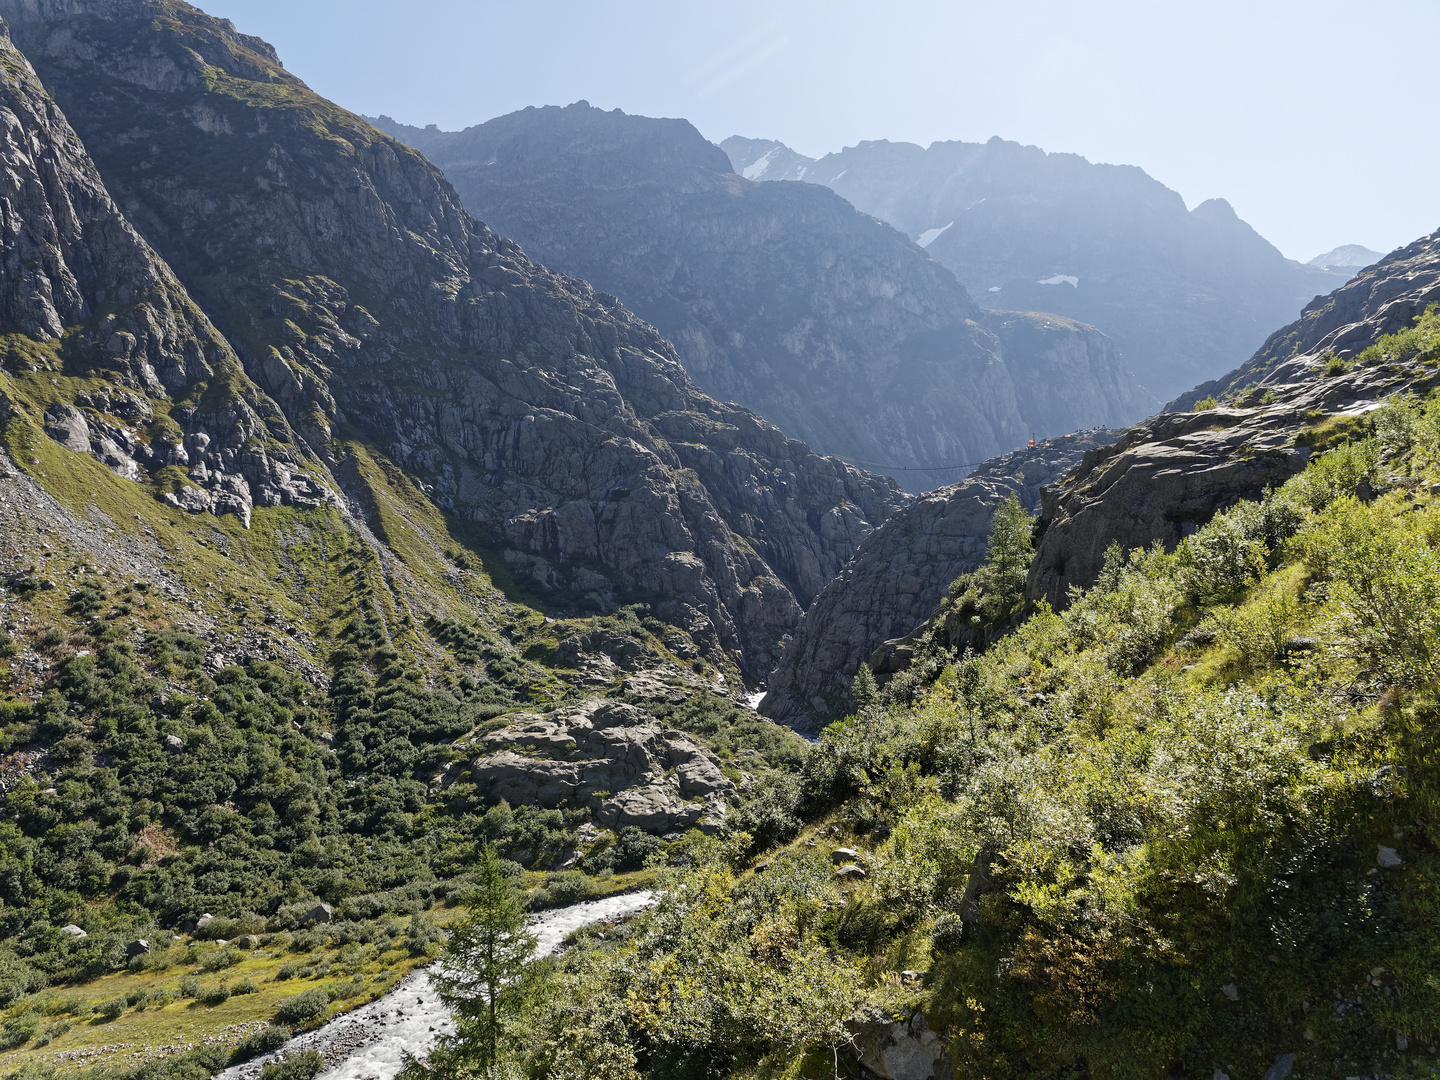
1163, 479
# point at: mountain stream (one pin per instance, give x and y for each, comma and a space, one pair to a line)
370, 1043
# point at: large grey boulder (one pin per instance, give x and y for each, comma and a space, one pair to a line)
899, 1049
66, 426
612, 757
320, 913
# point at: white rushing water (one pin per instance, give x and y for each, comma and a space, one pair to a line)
371, 1042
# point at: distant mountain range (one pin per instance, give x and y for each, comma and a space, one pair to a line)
784, 298
1185, 294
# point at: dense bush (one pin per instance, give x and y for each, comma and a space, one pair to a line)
631, 849
308, 1005
301, 1066
264, 1041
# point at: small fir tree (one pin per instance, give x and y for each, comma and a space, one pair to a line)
485, 974
1007, 554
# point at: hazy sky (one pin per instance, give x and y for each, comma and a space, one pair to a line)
1312, 118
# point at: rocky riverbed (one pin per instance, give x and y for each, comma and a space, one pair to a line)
371, 1042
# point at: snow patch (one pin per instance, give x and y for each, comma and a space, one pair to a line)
803, 170
753, 700
756, 169
994, 288
842, 173
929, 236
1061, 279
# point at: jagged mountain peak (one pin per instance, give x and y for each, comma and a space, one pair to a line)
1351, 257
765, 159
579, 142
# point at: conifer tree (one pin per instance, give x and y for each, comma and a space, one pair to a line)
483, 974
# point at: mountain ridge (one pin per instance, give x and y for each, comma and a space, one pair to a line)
322, 214
785, 298
1184, 293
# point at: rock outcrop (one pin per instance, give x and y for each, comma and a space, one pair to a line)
1164, 478
1185, 294
899, 1049
899, 576
782, 297
612, 758
369, 305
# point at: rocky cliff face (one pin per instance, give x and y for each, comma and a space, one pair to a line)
1165, 477
783, 298
1184, 294
82, 294
365, 301
899, 576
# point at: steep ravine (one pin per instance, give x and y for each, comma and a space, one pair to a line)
899, 576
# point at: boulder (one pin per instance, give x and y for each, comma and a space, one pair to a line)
67, 427
1387, 858
850, 872
653, 808
899, 1049
589, 833
844, 855
74, 931
247, 941
1280, 1068
138, 947
174, 744
320, 913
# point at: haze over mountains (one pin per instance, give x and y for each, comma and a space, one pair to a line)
783, 297
1185, 294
